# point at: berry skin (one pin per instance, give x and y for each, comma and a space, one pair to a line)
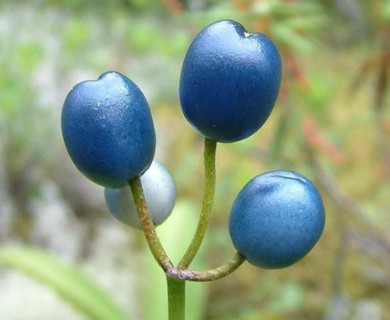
160, 193
276, 219
229, 81
108, 129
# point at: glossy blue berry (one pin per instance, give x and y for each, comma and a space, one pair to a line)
229, 81
276, 219
160, 194
108, 129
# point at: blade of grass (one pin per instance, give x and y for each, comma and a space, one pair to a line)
70, 284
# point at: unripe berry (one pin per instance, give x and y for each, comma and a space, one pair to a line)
160, 193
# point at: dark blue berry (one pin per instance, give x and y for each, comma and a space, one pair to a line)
276, 219
108, 129
229, 82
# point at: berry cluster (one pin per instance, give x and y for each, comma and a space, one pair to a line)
229, 83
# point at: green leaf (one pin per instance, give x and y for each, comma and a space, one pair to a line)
73, 286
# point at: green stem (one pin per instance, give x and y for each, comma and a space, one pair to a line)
210, 147
176, 298
220, 272
209, 275
147, 225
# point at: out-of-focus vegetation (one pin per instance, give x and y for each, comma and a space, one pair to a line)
331, 123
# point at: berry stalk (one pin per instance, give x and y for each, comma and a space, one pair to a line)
210, 148
147, 225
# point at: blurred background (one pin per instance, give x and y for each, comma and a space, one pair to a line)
331, 123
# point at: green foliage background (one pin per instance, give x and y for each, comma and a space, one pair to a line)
331, 123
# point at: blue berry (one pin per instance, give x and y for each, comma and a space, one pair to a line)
108, 129
160, 193
229, 81
276, 219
